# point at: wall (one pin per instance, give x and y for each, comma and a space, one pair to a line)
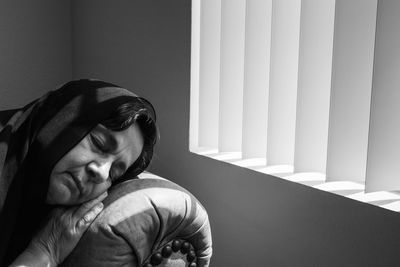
257, 220
35, 47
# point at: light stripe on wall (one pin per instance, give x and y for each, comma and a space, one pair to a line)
353, 52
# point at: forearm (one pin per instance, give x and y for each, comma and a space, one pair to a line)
33, 257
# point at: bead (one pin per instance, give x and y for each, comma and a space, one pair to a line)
148, 265
156, 259
176, 245
191, 256
166, 251
185, 247
192, 264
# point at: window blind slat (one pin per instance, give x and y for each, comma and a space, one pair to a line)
231, 75
351, 89
384, 136
283, 81
314, 84
256, 78
194, 76
209, 77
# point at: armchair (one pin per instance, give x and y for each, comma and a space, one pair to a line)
148, 221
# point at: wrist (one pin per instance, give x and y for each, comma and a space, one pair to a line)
37, 255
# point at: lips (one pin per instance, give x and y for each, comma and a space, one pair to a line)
77, 183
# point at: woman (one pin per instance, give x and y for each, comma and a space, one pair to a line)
58, 156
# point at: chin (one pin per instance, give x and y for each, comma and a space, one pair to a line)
61, 196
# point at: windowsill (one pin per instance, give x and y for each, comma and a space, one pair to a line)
350, 189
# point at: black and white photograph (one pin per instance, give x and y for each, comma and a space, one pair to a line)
200, 133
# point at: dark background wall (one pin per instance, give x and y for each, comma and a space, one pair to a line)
35, 49
257, 220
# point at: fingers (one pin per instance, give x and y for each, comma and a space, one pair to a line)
88, 218
85, 207
66, 226
102, 196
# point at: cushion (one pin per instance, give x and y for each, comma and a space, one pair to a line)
140, 218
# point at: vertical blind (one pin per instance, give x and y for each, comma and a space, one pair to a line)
301, 83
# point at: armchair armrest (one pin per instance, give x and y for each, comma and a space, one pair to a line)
139, 219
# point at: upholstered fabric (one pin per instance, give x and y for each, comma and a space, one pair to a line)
139, 218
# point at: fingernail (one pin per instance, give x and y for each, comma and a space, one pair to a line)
88, 218
99, 206
81, 223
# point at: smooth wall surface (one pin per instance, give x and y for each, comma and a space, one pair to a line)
35, 49
257, 220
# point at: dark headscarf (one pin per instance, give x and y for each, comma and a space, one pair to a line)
33, 139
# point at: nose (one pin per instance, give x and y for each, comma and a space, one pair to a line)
99, 171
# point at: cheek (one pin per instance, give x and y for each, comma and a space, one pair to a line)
61, 188
77, 157
59, 192
70, 162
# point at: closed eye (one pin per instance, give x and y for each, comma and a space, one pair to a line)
98, 143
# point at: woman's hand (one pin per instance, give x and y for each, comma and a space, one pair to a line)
61, 234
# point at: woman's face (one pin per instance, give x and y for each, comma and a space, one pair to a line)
89, 168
